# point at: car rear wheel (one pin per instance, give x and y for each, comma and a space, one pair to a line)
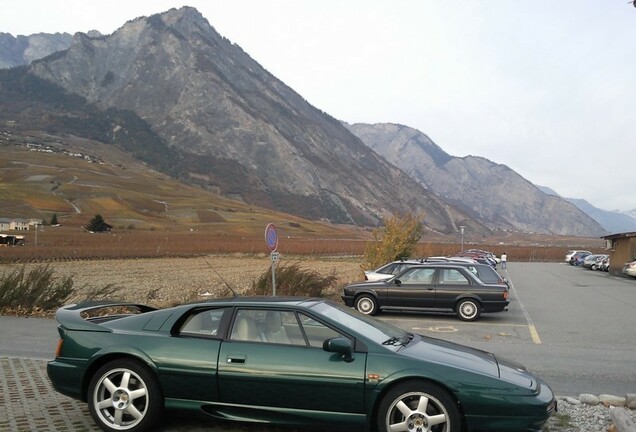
418, 406
124, 396
468, 309
366, 304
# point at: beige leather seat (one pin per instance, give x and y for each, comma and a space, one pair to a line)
274, 330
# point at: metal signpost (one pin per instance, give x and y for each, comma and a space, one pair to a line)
271, 239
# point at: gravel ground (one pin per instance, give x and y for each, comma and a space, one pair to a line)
165, 281
573, 416
161, 282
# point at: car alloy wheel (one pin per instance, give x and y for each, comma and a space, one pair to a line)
366, 304
124, 396
418, 406
468, 309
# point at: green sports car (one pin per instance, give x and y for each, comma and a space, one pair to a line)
294, 361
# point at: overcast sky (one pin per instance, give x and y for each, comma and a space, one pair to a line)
546, 87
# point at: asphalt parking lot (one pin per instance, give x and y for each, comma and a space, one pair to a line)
573, 327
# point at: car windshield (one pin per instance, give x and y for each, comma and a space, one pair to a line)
369, 327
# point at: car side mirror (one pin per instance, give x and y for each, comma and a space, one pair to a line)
339, 345
397, 282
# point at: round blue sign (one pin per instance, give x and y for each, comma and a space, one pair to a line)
271, 238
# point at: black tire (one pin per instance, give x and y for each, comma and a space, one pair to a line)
468, 309
124, 395
367, 304
429, 406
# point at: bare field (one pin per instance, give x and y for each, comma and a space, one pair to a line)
167, 281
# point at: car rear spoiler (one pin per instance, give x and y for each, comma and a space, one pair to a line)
71, 317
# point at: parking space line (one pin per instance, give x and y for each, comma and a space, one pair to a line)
533, 330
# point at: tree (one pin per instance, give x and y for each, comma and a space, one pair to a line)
54, 219
395, 240
97, 224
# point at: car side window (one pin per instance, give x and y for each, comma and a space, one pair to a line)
452, 276
315, 331
267, 326
203, 323
389, 269
418, 276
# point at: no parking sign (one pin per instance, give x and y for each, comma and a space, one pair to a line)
271, 237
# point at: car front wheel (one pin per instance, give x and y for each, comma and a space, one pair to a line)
366, 304
124, 395
468, 309
418, 406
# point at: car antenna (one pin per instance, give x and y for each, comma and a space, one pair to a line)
220, 277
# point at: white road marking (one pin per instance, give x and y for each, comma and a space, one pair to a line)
533, 330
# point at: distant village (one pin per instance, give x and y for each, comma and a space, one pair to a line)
27, 141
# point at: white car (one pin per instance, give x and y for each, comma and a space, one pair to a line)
389, 270
629, 269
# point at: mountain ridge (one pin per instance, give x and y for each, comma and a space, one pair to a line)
492, 193
246, 134
228, 125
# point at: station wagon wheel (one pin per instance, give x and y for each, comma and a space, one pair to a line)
418, 406
468, 309
124, 396
366, 304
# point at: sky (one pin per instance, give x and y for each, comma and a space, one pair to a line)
546, 87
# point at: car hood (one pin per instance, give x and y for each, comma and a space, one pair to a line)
469, 359
452, 354
370, 284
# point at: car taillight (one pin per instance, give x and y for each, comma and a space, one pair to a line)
505, 295
58, 350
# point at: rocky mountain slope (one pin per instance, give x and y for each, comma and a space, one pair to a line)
193, 105
22, 50
490, 192
244, 133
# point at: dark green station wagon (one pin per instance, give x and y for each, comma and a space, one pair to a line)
294, 361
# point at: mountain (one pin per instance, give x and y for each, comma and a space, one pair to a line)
614, 222
611, 221
22, 50
492, 193
223, 122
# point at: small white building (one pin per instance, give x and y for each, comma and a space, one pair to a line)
18, 224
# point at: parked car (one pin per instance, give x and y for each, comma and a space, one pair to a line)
480, 258
297, 361
629, 269
593, 261
577, 258
389, 270
486, 253
605, 264
571, 253
429, 287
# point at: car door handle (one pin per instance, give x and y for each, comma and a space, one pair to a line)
236, 359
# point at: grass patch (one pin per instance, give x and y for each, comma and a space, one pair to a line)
33, 292
292, 280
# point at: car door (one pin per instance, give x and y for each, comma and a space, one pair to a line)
187, 362
414, 288
291, 373
450, 283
